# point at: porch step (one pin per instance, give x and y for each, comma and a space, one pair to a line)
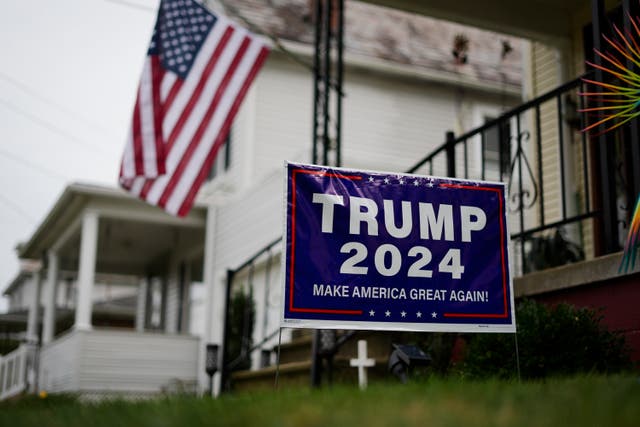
298, 374
295, 363
293, 374
300, 333
297, 350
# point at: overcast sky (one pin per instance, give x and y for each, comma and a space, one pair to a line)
69, 70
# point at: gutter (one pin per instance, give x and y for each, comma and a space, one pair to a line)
389, 68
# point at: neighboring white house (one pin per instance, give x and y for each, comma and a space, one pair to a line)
403, 90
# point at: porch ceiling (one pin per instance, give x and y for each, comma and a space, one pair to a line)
546, 20
133, 247
133, 237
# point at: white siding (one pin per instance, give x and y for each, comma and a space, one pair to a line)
249, 223
118, 361
546, 76
283, 117
389, 124
59, 369
134, 362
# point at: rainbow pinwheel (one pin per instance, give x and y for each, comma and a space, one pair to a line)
617, 101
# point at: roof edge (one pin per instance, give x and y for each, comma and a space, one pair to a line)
71, 191
382, 66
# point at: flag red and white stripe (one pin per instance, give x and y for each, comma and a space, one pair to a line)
179, 124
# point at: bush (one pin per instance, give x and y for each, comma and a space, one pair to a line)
439, 346
559, 340
242, 315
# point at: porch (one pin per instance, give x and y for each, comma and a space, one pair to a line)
110, 307
120, 362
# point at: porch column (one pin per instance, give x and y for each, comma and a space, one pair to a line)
605, 160
141, 308
214, 303
49, 320
34, 307
86, 270
185, 303
173, 296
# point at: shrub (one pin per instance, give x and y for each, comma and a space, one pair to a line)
559, 340
242, 315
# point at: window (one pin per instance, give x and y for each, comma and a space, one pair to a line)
496, 152
222, 162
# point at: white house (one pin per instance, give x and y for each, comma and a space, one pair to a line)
403, 90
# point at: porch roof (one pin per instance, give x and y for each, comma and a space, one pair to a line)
545, 20
131, 235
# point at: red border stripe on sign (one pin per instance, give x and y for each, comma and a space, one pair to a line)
505, 313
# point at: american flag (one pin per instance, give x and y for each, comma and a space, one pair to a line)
198, 68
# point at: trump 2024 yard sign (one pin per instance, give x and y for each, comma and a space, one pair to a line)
373, 250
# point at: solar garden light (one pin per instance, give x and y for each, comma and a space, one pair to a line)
211, 363
405, 357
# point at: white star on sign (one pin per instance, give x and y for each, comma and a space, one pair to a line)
386, 180
403, 313
430, 184
372, 313
434, 314
416, 182
370, 179
401, 181
419, 314
387, 313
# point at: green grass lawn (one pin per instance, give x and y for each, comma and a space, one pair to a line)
581, 401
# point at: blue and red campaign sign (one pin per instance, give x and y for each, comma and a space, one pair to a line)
373, 250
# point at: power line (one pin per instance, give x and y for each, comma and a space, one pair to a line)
17, 209
132, 5
39, 168
51, 127
30, 91
227, 6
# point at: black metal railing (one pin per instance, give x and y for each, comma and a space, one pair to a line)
553, 176
240, 320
